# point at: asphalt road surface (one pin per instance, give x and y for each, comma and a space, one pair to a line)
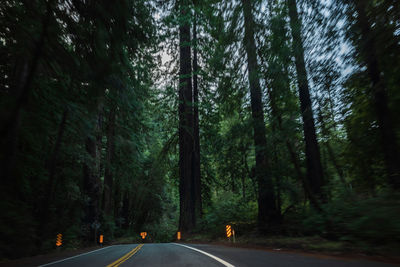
172, 254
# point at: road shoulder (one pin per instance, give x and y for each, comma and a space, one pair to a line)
46, 258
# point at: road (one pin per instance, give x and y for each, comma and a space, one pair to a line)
172, 254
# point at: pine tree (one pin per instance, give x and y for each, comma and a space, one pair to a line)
313, 157
267, 211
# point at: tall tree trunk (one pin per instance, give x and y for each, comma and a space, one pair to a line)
278, 182
117, 198
329, 149
91, 182
125, 210
385, 121
51, 183
267, 211
313, 156
196, 156
244, 173
9, 143
187, 216
54, 156
52, 163
108, 173
294, 157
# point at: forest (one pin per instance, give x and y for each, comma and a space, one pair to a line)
278, 117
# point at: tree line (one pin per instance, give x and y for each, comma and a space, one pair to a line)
75, 86
290, 87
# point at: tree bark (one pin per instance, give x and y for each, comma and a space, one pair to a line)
196, 156
187, 214
91, 181
244, 173
278, 183
9, 143
294, 157
384, 117
329, 149
51, 183
108, 173
52, 164
313, 156
267, 211
57, 145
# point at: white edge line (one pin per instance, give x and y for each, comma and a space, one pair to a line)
227, 264
54, 262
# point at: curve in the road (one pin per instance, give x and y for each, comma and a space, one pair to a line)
227, 264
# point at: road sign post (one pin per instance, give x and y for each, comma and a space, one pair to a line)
59, 240
101, 240
228, 229
178, 236
143, 235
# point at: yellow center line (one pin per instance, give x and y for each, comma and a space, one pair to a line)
125, 257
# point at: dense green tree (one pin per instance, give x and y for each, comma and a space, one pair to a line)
187, 220
313, 158
267, 211
367, 47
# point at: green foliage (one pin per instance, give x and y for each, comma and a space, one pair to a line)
91, 59
227, 208
358, 219
163, 231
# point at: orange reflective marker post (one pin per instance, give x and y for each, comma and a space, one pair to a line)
143, 235
178, 235
59, 240
101, 239
228, 231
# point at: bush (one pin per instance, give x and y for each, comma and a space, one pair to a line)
374, 220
